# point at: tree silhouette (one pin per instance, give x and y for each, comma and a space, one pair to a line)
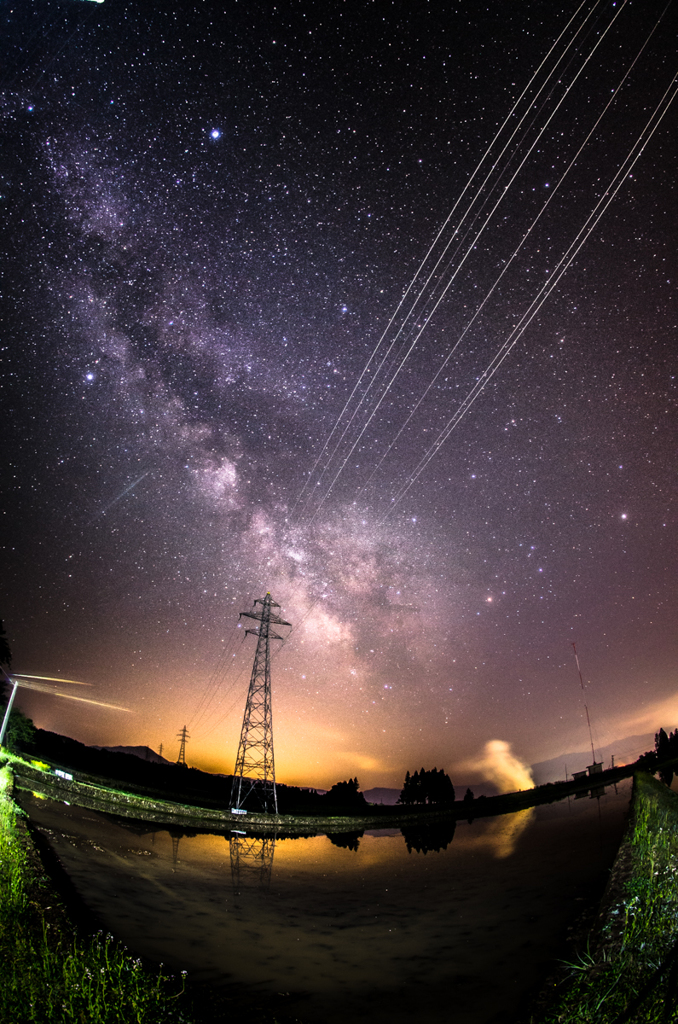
346, 794
20, 731
427, 787
666, 748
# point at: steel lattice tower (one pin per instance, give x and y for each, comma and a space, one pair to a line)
183, 736
251, 861
254, 774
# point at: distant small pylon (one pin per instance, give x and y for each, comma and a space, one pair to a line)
183, 736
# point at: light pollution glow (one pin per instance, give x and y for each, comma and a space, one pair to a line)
224, 256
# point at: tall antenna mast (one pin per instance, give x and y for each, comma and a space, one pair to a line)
183, 736
254, 773
588, 719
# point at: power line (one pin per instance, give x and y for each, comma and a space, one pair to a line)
445, 283
528, 316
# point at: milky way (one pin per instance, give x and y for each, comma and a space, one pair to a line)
211, 216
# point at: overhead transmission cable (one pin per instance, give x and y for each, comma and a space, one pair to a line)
578, 242
423, 289
216, 680
424, 262
420, 328
516, 251
273, 656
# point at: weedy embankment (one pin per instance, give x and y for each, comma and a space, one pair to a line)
629, 972
50, 974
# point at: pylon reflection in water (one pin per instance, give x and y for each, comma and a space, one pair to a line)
251, 861
175, 837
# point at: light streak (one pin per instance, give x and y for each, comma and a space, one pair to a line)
122, 494
51, 679
39, 688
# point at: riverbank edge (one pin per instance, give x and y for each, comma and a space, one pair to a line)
117, 801
620, 873
52, 973
617, 955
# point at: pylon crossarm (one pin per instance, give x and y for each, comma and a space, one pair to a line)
271, 635
260, 616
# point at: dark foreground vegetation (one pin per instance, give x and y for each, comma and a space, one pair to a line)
53, 975
627, 970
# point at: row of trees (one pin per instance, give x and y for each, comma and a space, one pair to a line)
427, 787
346, 794
666, 746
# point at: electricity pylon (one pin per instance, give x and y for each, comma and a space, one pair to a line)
183, 736
251, 861
254, 773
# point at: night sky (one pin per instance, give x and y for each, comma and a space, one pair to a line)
211, 214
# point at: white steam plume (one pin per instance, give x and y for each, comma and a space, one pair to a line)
503, 768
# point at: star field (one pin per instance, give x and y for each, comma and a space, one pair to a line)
211, 218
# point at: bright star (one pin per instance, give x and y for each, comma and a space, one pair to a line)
215, 133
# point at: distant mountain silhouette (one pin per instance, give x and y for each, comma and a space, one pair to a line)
625, 752
145, 753
380, 795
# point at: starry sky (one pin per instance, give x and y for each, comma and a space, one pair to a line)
259, 263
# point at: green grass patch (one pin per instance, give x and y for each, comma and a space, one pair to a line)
639, 930
50, 974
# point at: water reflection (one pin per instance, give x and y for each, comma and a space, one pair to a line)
251, 861
503, 833
382, 927
429, 838
346, 840
175, 837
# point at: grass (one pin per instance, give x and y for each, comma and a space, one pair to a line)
639, 929
52, 975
